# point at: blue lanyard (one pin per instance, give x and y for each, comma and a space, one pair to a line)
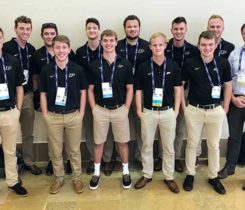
209, 77
220, 46
99, 52
183, 55
113, 70
4, 70
47, 56
240, 59
163, 74
66, 77
27, 57
135, 54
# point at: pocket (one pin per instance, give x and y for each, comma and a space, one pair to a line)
94, 109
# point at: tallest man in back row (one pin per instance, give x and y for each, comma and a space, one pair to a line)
135, 50
23, 51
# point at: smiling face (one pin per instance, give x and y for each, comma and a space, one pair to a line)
109, 43
23, 31
61, 51
178, 31
158, 45
48, 36
207, 47
92, 31
216, 25
132, 29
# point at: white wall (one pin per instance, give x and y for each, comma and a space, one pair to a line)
155, 15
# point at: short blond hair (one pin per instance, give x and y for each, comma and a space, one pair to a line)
215, 17
155, 35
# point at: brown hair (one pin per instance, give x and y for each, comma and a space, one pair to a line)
61, 38
22, 19
207, 35
108, 32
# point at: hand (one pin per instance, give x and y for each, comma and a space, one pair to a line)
238, 101
81, 114
140, 114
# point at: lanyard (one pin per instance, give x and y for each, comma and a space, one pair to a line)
135, 54
183, 55
66, 77
27, 58
99, 53
113, 70
4, 70
220, 46
47, 56
209, 77
163, 74
240, 59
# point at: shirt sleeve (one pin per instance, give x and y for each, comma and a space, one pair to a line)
43, 81
139, 78
83, 80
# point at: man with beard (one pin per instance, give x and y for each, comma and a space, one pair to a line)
88, 53
135, 50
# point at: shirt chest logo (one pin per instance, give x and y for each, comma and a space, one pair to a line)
72, 75
7, 68
140, 51
222, 52
120, 66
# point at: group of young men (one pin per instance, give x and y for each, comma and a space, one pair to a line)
110, 83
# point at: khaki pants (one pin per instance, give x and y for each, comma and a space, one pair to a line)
27, 123
167, 124
211, 120
9, 130
71, 124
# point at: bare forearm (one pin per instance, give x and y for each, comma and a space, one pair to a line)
43, 103
91, 97
82, 101
19, 97
129, 96
177, 98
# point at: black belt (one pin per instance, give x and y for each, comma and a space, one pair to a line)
65, 111
160, 108
208, 106
3, 109
111, 107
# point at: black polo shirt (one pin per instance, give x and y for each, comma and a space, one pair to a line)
200, 88
144, 81
11, 47
176, 53
123, 76
15, 78
41, 58
84, 59
143, 52
76, 82
224, 49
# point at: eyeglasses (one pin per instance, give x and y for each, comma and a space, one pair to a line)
49, 25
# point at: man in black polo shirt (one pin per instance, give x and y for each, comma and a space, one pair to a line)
23, 51
11, 98
224, 48
86, 54
135, 50
159, 81
41, 58
63, 98
210, 83
110, 95
180, 50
